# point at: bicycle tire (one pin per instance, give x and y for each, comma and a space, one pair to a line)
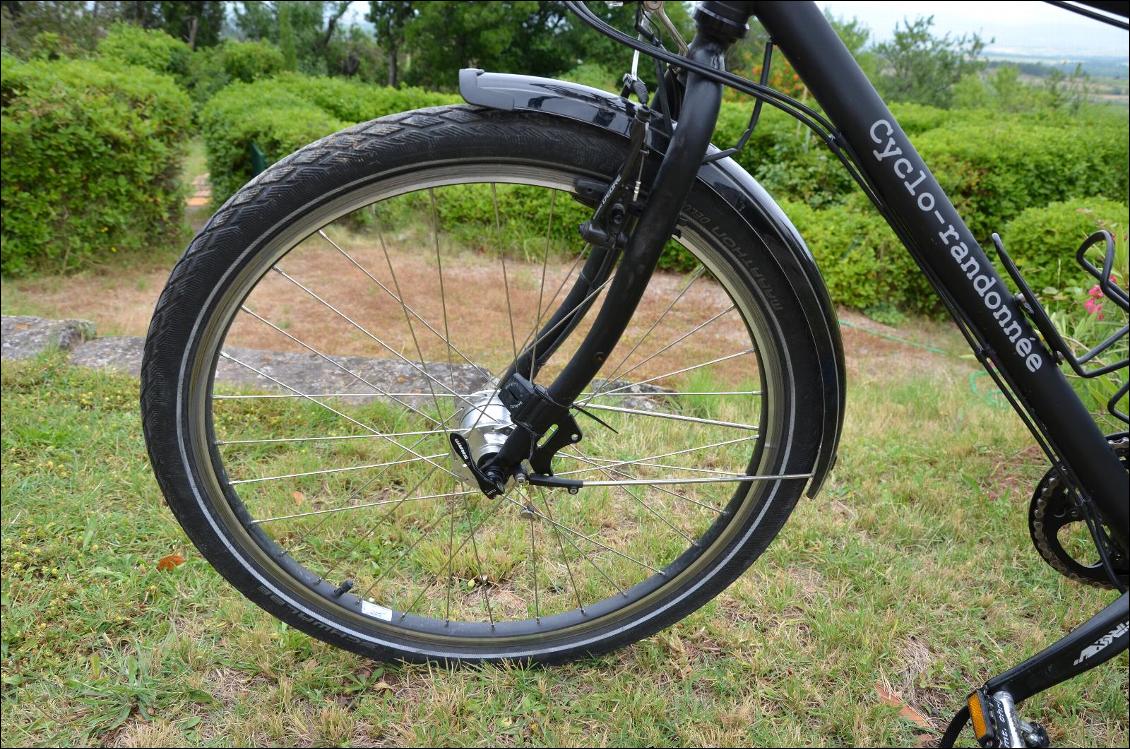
409, 150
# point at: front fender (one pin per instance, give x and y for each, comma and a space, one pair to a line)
730, 181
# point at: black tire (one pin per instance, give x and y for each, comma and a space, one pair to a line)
177, 365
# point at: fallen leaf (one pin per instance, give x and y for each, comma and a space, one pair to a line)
888, 697
170, 562
299, 498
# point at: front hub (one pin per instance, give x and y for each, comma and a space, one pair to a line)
484, 422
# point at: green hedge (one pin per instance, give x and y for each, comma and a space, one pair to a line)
91, 155
284, 113
148, 48
1043, 240
995, 169
214, 68
861, 259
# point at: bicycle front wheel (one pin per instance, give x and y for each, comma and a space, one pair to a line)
347, 311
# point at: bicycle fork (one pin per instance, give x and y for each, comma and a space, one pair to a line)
536, 410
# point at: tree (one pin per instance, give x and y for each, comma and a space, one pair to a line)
196, 22
390, 19
307, 27
918, 66
75, 26
446, 36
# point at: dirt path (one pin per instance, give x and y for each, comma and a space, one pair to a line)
121, 304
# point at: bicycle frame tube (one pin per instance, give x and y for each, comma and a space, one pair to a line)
923, 216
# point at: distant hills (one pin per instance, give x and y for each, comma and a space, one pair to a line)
1040, 65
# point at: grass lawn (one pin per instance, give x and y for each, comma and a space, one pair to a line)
908, 580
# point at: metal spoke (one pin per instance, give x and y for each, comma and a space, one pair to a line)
564, 558
720, 480
636, 497
267, 396
505, 275
329, 359
364, 331
625, 394
665, 375
361, 507
489, 515
479, 562
534, 557
659, 465
331, 409
442, 288
428, 529
675, 417
663, 489
450, 542
694, 277
665, 393
580, 552
578, 534
373, 528
683, 451
397, 297
679, 340
541, 289
323, 471
328, 438
359, 491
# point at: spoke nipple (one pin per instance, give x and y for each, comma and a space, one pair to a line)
575, 437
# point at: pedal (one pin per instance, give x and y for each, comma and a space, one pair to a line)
997, 724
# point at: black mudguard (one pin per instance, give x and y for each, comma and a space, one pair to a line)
730, 181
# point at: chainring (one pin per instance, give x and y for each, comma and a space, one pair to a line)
1053, 508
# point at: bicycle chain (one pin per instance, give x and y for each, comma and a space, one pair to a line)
1051, 495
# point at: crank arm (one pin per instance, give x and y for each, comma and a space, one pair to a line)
992, 707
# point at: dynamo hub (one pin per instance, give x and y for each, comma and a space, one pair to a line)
485, 423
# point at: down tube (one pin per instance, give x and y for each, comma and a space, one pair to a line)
941, 241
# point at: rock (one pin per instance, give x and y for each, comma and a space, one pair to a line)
25, 337
626, 394
358, 379
120, 353
364, 378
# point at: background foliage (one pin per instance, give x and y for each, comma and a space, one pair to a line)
91, 155
1004, 140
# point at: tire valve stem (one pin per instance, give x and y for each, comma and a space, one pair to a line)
342, 589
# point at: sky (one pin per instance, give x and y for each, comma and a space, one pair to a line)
1018, 27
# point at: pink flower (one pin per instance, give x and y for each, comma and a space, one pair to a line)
1094, 307
1095, 292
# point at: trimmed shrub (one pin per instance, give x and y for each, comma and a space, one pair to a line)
91, 155
284, 113
250, 61
993, 169
1043, 240
148, 48
861, 259
212, 69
